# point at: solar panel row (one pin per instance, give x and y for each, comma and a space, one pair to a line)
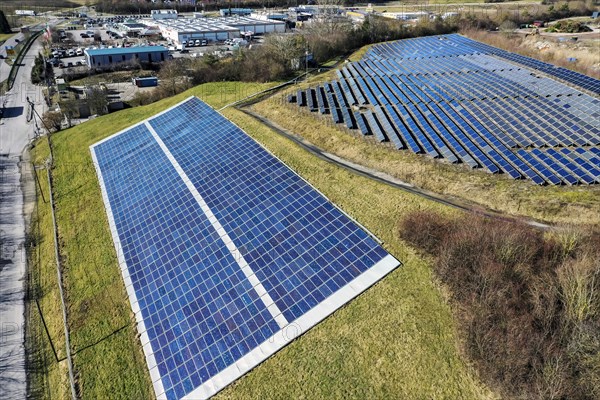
468, 106
227, 255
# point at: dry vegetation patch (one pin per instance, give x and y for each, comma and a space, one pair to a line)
527, 302
547, 49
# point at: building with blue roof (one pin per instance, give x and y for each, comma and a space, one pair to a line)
109, 58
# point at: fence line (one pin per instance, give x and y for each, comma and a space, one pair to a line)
60, 288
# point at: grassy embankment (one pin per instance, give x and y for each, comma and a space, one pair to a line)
395, 340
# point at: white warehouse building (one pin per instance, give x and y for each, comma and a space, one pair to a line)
215, 29
163, 14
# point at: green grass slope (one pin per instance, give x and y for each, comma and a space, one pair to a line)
396, 340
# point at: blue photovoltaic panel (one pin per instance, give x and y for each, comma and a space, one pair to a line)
223, 248
172, 261
505, 105
278, 221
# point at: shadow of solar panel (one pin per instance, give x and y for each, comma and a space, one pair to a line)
227, 254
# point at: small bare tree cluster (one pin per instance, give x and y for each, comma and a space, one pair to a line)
53, 120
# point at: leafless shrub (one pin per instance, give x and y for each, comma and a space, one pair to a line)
528, 303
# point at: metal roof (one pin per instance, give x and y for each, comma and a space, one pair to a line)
125, 50
207, 25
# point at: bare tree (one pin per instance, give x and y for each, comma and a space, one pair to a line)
97, 99
70, 108
53, 120
285, 48
173, 77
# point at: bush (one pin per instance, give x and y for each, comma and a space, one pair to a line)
425, 230
41, 71
569, 26
528, 303
52, 120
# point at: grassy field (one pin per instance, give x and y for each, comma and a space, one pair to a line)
575, 204
395, 340
5, 36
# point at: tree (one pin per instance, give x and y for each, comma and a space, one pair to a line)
70, 108
4, 26
173, 77
37, 72
283, 49
53, 120
97, 99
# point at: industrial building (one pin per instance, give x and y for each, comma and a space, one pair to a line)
163, 14
107, 58
226, 12
215, 29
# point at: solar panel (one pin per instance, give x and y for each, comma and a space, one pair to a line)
227, 254
415, 88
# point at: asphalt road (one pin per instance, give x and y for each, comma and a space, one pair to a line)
15, 133
4, 67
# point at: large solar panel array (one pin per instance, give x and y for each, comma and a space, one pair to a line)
453, 98
226, 253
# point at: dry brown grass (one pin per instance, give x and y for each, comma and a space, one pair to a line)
545, 48
497, 192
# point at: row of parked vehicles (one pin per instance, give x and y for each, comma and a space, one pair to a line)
62, 53
192, 42
87, 34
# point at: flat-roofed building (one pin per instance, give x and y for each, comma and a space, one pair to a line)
215, 29
107, 58
163, 14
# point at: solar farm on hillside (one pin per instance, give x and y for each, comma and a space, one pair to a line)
463, 101
227, 254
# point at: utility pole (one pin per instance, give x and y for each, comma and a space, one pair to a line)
306, 60
34, 111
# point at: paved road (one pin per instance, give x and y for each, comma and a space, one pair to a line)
12, 273
15, 133
4, 67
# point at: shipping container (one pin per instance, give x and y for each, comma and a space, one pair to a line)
146, 82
